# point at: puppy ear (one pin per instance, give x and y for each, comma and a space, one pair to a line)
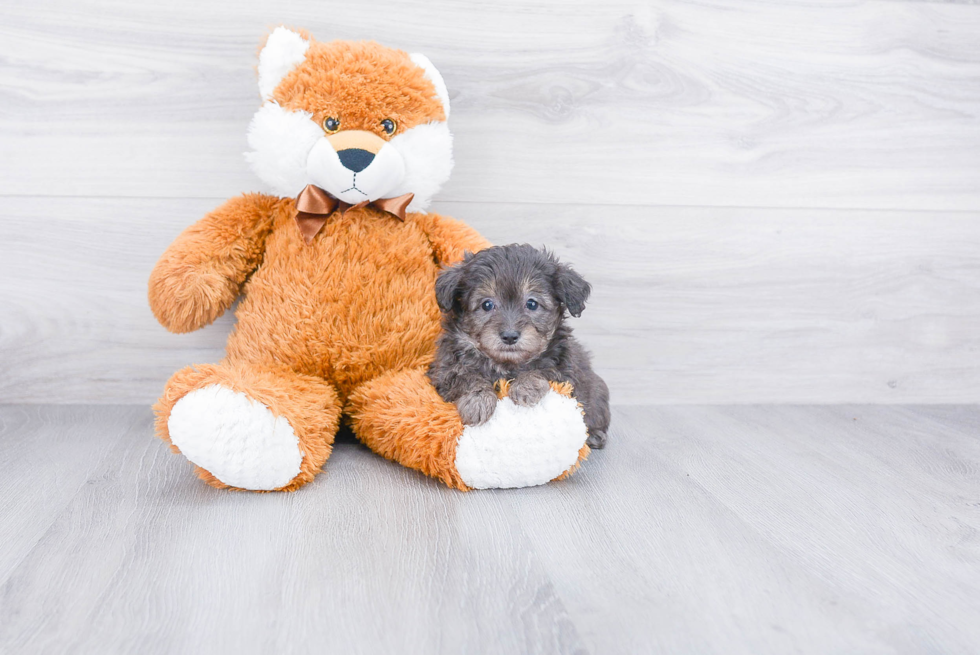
282, 52
572, 289
447, 284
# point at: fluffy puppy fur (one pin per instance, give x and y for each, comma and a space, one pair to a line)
504, 313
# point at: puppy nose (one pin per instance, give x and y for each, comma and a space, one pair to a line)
355, 159
510, 337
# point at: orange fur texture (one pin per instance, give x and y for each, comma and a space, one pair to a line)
361, 83
343, 325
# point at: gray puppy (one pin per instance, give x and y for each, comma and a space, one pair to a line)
504, 317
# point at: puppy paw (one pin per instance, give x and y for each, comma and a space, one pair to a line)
528, 389
597, 439
477, 407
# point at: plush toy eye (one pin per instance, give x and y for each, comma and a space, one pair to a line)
330, 125
389, 126
531, 304
487, 305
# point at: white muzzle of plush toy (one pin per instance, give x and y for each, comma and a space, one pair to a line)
289, 150
355, 166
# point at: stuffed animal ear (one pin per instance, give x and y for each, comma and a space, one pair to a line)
447, 286
433, 76
572, 289
283, 51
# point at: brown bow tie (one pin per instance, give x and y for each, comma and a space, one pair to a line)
314, 206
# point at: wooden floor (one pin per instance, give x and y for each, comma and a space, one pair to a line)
710, 529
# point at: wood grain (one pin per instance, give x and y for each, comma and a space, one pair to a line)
40, 452
148, 559
689, 304
773, 529
727, 102
678, 153
751, 529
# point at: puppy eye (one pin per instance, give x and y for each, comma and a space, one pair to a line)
389, 126
487, 305
330, 125
531, 304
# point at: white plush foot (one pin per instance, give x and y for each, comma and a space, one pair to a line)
522, 446
237, 439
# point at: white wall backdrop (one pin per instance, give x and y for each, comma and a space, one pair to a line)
775, 201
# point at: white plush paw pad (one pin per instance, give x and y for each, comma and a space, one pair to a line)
522, 446
237, 439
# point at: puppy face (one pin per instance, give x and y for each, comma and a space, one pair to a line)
358, 120
508, 301
511, 318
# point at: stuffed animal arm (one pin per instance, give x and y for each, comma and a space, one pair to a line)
201, 273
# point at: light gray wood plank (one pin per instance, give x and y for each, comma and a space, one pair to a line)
689, 304
664, 553
49, 455
827, 492
450, 573
148, 559
822, 104
770, 530
753, 529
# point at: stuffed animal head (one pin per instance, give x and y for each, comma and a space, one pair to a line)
359, 120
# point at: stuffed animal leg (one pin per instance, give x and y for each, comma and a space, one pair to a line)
400, 415
249, 427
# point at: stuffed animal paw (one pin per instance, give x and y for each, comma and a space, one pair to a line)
523, 446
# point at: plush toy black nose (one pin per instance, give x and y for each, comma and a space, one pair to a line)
510, 337
355, 159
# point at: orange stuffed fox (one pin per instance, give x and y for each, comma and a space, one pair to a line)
337, 271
